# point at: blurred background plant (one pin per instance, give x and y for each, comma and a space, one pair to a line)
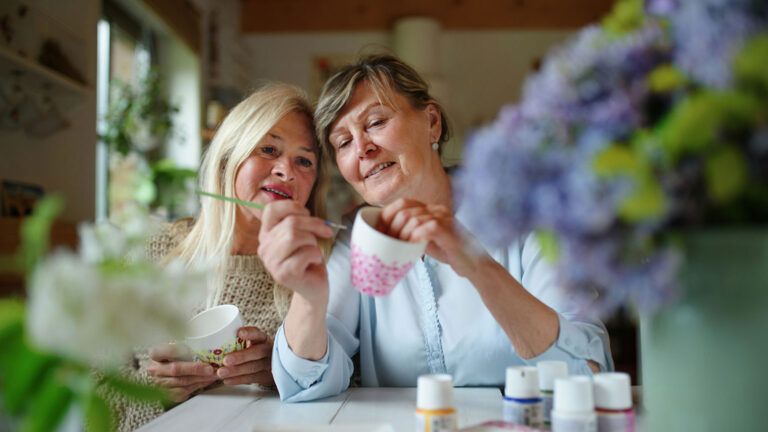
140, 119
86, 312
651, 123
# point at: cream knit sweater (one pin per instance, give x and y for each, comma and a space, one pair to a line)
248, 285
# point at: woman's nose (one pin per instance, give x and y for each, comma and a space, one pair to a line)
365, 146
283, 169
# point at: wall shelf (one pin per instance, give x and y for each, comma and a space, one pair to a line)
39, 74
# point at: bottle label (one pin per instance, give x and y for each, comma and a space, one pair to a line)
574, 424
436, 421
528, 413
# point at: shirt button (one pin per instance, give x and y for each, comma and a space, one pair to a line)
430, 307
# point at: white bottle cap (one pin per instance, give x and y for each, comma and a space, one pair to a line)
434, 392
522, 382
613, 391
549, 371
573, 395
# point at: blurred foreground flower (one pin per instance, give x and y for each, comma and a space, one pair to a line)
652, 122
85, 314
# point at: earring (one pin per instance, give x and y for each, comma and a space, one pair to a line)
435, 146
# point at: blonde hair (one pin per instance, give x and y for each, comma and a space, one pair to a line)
209, 243
385, 73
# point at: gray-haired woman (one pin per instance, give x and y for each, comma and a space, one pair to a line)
463, 309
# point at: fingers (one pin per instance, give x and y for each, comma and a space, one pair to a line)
252, 334
250, 365
276, 211
180, 369
168, 352
181, 378
292, 216
283, 241
401, 218
249, 368
255, 352
184, 381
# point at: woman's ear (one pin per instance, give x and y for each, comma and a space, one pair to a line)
435, 122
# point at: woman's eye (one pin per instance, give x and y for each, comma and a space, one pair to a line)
375, 123
268, 150
304, 162
342, 143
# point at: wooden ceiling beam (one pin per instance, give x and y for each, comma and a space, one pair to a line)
267, 16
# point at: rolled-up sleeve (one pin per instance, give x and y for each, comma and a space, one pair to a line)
582, 336
299, 379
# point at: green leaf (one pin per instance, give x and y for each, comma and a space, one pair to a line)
666, 78
145, 191
550, 249
36, 230
616, 160
11, 317
98, 415
698, 123
646, 202
726, 172
23, 370
48, 406
751, 64
134, 389
626, 16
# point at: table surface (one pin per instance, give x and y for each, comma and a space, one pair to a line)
244, 408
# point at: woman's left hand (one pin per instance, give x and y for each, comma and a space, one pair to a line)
253, 364
415, 221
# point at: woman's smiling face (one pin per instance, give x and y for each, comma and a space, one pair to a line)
384, 151
283, 165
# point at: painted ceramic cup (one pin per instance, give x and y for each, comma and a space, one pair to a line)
212, 334
379, 261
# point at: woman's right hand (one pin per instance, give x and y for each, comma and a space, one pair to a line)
288, 246
180, 378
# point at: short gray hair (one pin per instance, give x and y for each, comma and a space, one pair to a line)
384, 73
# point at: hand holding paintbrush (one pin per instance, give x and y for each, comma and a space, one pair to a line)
257, 206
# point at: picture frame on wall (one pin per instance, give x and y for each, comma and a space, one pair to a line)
18, 199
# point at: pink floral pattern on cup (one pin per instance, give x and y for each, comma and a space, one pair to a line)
374, 277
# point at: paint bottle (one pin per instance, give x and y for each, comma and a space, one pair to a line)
549, 371
522, 400
574, 405
613, 402
435, 411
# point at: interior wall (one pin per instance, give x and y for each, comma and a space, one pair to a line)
482, 70
64, 162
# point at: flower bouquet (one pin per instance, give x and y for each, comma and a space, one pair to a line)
85, 314
638, 155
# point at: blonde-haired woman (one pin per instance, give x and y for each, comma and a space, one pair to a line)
265, 151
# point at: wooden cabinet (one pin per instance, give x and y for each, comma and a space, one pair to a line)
63, 234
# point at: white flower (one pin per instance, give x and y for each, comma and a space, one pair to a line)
98, 307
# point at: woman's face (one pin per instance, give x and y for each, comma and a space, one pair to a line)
383, 151
283, 166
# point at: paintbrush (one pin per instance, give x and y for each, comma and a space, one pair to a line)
258, 206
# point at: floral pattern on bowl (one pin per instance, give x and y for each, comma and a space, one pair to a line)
215, 356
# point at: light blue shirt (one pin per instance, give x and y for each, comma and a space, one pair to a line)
434, 321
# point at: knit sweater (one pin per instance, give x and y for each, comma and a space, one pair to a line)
248, 286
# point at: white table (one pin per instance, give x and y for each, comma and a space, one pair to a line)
244, 408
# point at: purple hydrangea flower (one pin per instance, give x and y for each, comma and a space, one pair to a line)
708, 34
